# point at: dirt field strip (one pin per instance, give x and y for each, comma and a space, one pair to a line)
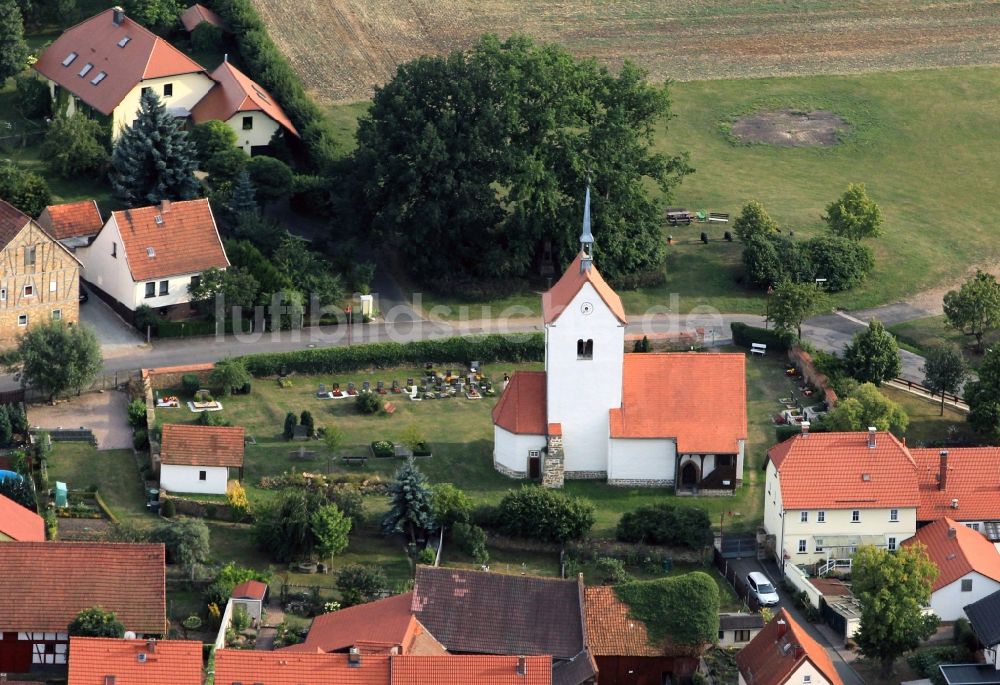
343, 48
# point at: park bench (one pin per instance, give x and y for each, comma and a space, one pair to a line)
356, 460
758, 348
718, 218
676, 217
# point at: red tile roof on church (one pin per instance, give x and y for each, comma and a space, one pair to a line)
957, 550
162, 662
19, 523
972, 478
780, 650
101, 43
555, 301
522, 406
697, 398
840, 471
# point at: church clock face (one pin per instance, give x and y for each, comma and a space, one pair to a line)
586, 308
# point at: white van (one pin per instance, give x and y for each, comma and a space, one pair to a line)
761, 588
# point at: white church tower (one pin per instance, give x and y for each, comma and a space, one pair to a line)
584, 351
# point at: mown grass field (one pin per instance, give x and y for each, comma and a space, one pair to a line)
343, 48
920, 335
922, 141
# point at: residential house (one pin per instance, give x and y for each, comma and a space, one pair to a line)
153, 255
248, 109
735, 630
74, 224
621, 646
108, 661
962, 484
251, 596
197, 459
39, 278
633, 419
19, 524
477, 612
196, 14
828, 493
968, 566
104, 64
783, 653
984, 616
46, 584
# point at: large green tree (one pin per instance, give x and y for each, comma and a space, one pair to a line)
74, 146
844, 263
96, 622
13, 49
944, 370
791, 303
983, 395
410, 503
157, 15
186, 540
873, 355
474, 162
153, 159
26, 190
229, 288
298, 524
54, 357
974, 308
893, 589
753, 222
854, 215
866, 406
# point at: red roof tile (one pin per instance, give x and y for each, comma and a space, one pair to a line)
96, 41
522, 406
46, 584
956, 556
698, 398
19, 523
251, 589
196, 14
385, 621
610, 630
562, 293
973, 478
284, 667
236, 92
186, 242
165, 662
771, 658
470, 670
190, 445
12, 222
71, 220
840, 471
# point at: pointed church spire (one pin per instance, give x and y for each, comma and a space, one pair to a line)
586, 237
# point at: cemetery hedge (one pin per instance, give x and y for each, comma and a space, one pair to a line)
744, 336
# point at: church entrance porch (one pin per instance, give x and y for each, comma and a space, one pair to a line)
690, 477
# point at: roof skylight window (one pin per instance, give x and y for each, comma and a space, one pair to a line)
97, 79
86, 67
69, 59
124, 41
150, 252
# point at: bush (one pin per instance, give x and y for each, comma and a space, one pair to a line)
359, 584
666, 524
486, 516
271, 177
211, 418
349, 500
367, 402
383, 449
612, 571
137, 414
964, 636
169, 510
25, 190
310, 195
290, 422
776, 341
140, 440
190, 384
844, 263
471, 540
541, 514
306, 420
926, 661
33, 98
74, 146
426, 556
225, 165
229, 375
207, 37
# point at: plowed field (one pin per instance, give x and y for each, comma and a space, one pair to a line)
342, 48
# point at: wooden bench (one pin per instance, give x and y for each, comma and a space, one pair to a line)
676, 217
356, 460
718, 218
758, 348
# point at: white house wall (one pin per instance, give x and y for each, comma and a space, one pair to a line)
109, 273
510, 451
261, 133
772, 507
838, 523
176, 478
641, 461
188, 89
177, 292
948, 602
581, 392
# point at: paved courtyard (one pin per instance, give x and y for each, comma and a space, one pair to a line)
105, 413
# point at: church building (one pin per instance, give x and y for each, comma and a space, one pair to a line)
634, 419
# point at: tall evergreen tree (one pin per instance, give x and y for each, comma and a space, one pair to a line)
13, 49
411, 509
244, 197
153, 160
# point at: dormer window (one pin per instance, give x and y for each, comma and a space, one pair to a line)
97, 79
584, 349
69, 59
124, 41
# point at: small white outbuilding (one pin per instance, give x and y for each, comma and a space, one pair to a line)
198, 459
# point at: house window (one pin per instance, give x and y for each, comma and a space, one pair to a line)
584, 349
168, 90
195, 282
52, 286
722, 634
248, 123
164, 287
856, 516
22, 319
723, 460
741, 635
894, 515
973, 526
29, 256
966, 584
802, 546
56, 314
820, 517
807, 679
819, 544
3, 294
114, 250
29, 291
891, 546
803, 517
151, 289
202, 475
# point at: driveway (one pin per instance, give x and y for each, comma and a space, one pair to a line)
105, 413
116, 337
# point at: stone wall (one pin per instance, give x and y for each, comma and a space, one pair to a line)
636, 483
587, 475
553, 469
510, 473
802, 361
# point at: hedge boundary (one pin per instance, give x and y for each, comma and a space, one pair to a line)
745, 336
522, 347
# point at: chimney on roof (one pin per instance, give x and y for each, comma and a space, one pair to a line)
782, 628
108, 679
522, 666
164, 206
225, 58
117, 15
943, 471
871, 437
954, 503
354, 658
151, 646
805, 429
952, 533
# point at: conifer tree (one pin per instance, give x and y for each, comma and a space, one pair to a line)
411, 510
153, 160
244, 197
13, 49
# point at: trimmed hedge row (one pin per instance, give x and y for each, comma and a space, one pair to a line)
487, 349
776, 341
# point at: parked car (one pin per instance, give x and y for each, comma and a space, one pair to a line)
83, 295
761, 588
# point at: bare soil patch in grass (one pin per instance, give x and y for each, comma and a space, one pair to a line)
789, 128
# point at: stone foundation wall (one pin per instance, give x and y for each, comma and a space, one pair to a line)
586, 475
553, 473
634, 483
510, 473
706, 493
